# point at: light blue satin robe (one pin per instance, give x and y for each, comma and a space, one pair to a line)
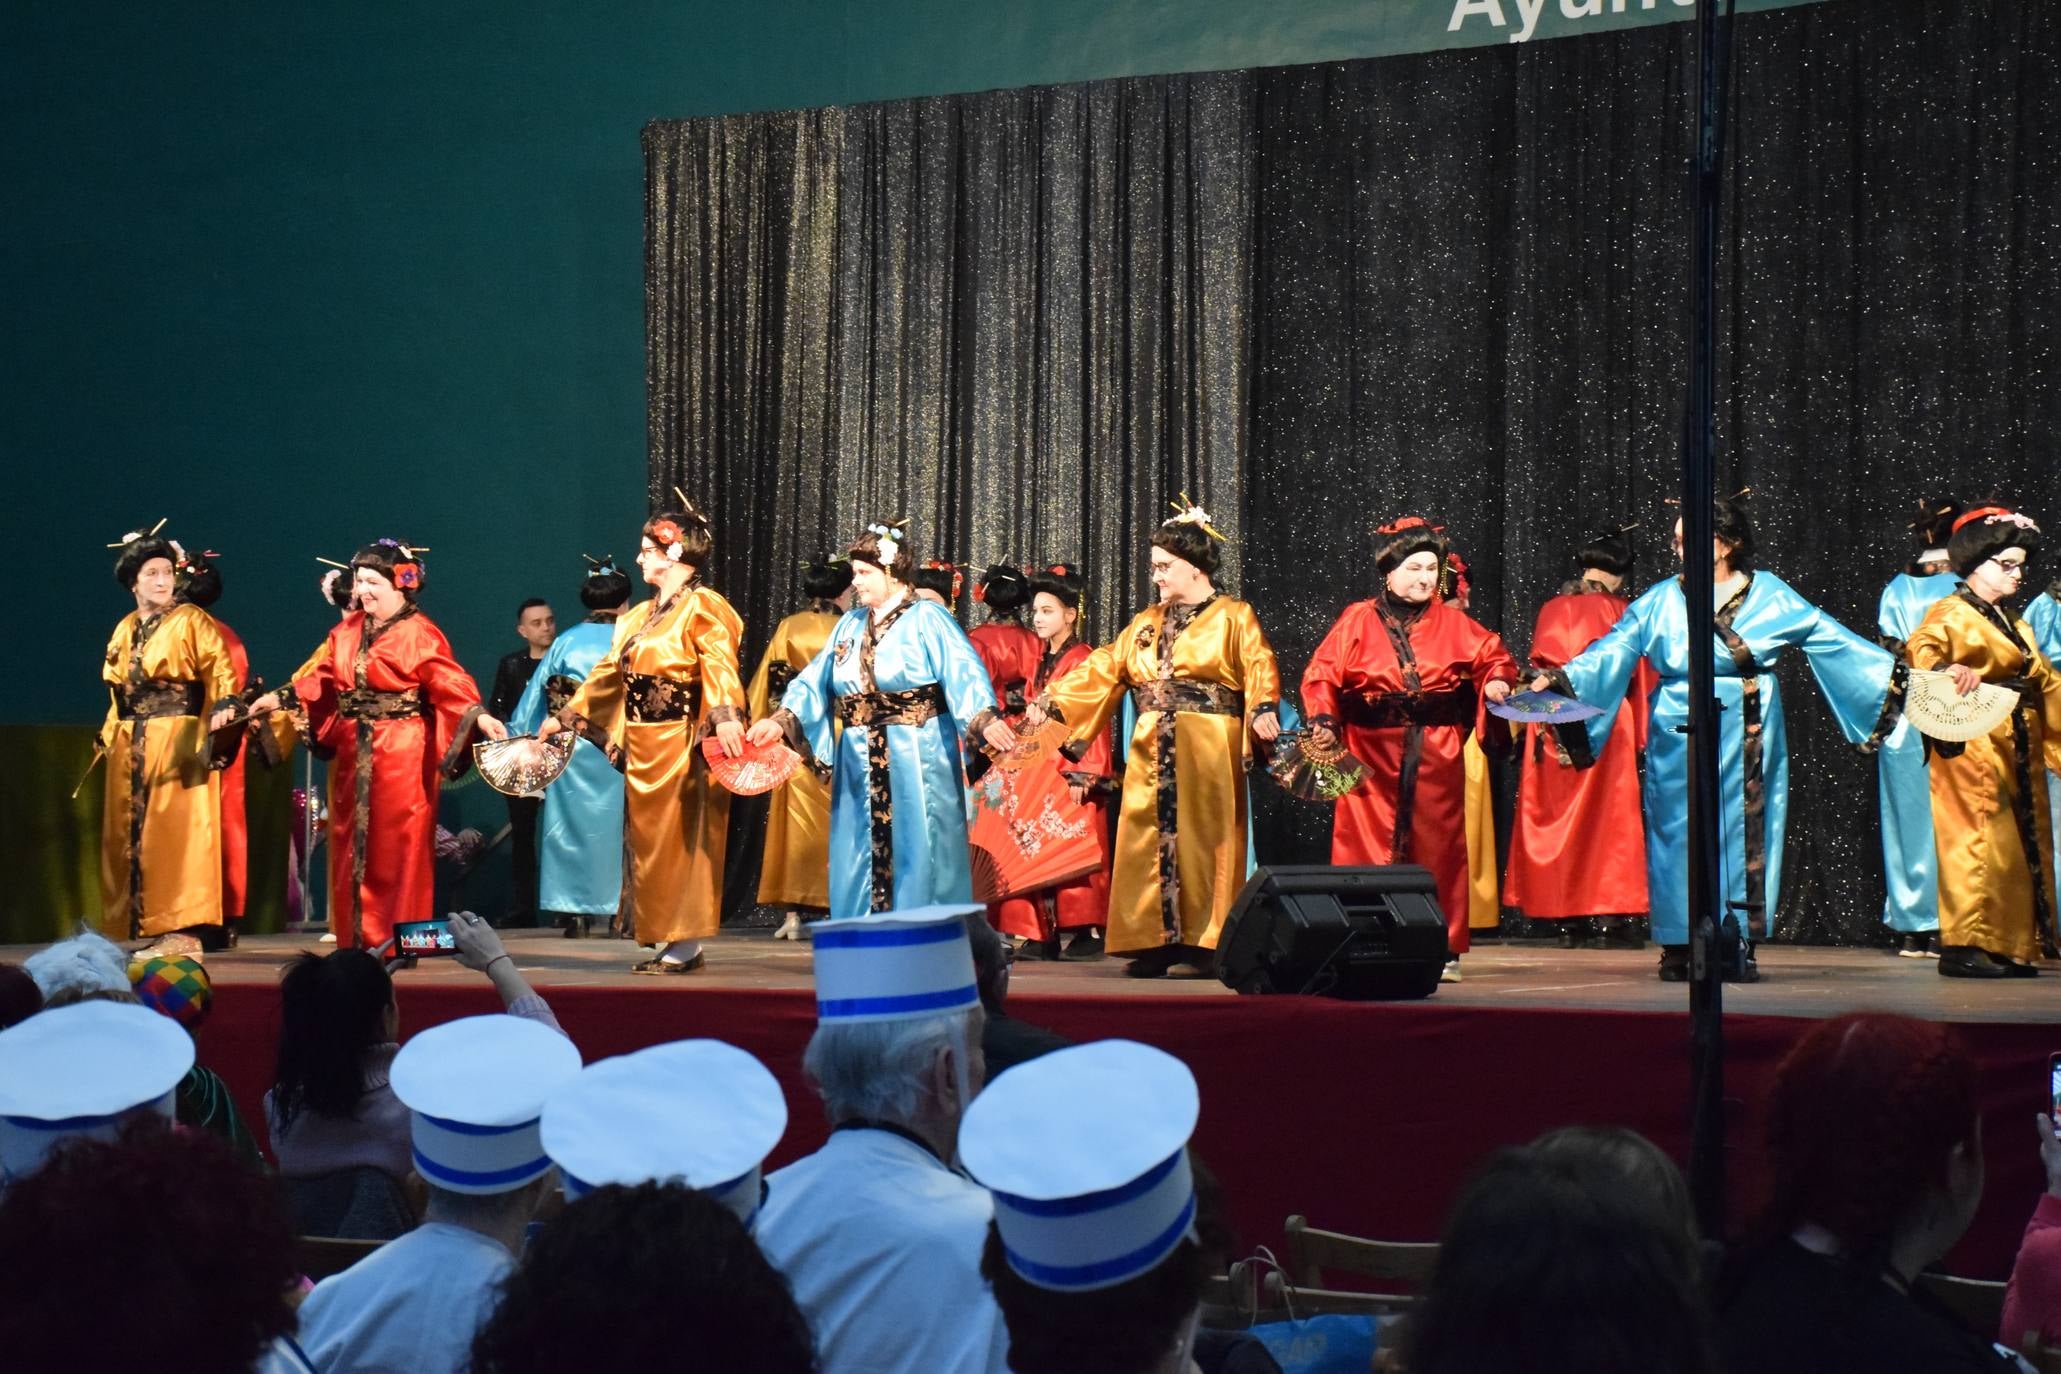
1853, 674
1910, 865
931, 864
2044, 615
580, 835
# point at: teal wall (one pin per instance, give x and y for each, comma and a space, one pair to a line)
301, 275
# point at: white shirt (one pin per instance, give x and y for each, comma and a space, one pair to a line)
881, 1244
414, 1304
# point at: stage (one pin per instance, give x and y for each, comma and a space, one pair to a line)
1366, 1117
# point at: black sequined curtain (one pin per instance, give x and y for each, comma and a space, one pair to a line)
1451, 283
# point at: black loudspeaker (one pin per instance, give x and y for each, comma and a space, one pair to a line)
1358, 933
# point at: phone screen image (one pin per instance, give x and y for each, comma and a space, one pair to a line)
2054, 1089
423, 937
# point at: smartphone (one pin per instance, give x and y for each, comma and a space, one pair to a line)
2054, 1091
423, 937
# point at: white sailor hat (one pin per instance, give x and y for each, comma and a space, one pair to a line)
698, 1112
894, 965
475, 1089
76, 1071
1086, 1152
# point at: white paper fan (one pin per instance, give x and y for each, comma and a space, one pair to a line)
1939, 711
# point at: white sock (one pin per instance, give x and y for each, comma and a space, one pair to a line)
680, 951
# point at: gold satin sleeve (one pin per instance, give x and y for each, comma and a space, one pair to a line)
1259, 673
1087, 697
206, 649
713, 629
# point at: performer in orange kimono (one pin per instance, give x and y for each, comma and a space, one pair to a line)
1010, 651
1579, 847
1484, 892
668, 682
391, 709
794, 869
1402, 677
1079, 905
1989, 794
199, 583
168, 671
1204, 681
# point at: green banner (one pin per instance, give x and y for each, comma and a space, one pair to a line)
1402, 26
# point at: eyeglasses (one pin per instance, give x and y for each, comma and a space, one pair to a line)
2012, 568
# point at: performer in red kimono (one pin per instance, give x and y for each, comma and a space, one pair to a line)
199, 583
1009, 650
1079, 905
1402, 676
1579, 847
392, 710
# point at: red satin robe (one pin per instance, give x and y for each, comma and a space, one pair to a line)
1011, 654
395, 818
1579, 847
1081, 902
235, 823
1358, 683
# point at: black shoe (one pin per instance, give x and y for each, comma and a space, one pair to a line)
1742, 968
2014, 969
664, 967
1965, 961
1674, 963
574, 928
1622, 935
1573, 934
1153, 963
1038, 951
1084, 948
1917, 944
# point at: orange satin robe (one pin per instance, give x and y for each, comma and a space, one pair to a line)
1011, 654
382, 836
1224, 645
171, 836
1981, 814
794, 870
676, 817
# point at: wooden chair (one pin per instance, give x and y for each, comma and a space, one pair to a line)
1296, 1300
321, 1256
1979, 1303
1309, 1252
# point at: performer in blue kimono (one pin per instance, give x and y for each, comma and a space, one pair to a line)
2044, 615
908, 686
580, 843
1910, 868
1759, 615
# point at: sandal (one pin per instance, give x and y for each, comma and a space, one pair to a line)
659, 964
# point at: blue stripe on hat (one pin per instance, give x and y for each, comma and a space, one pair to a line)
471, 1178
946, 1000
934, 933
70, 1123
1109, 1271
1095, 1202
469, 1128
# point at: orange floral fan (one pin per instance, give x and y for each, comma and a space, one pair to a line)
760, 768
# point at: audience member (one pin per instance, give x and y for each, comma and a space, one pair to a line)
879, 1235
1875, 1150
1550, 1263
20, 998
330, 1106
475, 1089
651, 1277
1005, 1041
87, 962
1639, 1162
696, 1112
1093, 1252
178, 986
2032, 1302
156, 1249
536, 627
81, 1072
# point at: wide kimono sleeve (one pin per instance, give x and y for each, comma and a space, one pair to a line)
451, 694
805, 707
596, 706
1324, 680
1860, 680
1602, 673
1086, 697
714, 629
1259, 672
959, 670
213, 664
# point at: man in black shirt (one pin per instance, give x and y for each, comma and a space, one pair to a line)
537, 627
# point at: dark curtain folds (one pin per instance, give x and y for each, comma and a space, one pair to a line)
1317, 297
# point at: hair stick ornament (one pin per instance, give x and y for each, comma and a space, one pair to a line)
1186, 512
133, 535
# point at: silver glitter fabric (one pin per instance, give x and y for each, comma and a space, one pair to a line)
1319, 297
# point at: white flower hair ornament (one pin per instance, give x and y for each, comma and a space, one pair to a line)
890, 542
1186, 512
